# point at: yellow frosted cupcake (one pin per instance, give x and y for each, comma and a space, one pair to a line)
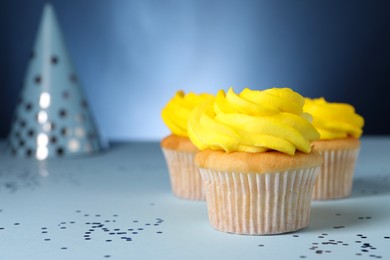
178, 150
340, 129
256, 162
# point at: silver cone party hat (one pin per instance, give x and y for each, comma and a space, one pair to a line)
52, 118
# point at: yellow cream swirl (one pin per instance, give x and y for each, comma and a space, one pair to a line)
177, 111
334, 120
253, 121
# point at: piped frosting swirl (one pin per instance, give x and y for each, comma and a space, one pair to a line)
177, 111
334, 120
253, 121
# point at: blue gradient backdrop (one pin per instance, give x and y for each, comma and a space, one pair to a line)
131, 56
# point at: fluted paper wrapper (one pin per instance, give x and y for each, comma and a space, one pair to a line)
184, 175
259, 204
336, 176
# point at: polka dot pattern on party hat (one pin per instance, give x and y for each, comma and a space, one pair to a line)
52, 118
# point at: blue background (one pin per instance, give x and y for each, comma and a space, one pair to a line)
132, 56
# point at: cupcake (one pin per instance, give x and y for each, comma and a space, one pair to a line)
255, 159
178, 149
340, 129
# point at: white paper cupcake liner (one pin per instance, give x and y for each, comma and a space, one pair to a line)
184, 175
336, 176
259, 204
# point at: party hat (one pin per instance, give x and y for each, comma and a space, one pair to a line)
52, 118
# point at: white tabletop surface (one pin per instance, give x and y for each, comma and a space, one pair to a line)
118, 205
